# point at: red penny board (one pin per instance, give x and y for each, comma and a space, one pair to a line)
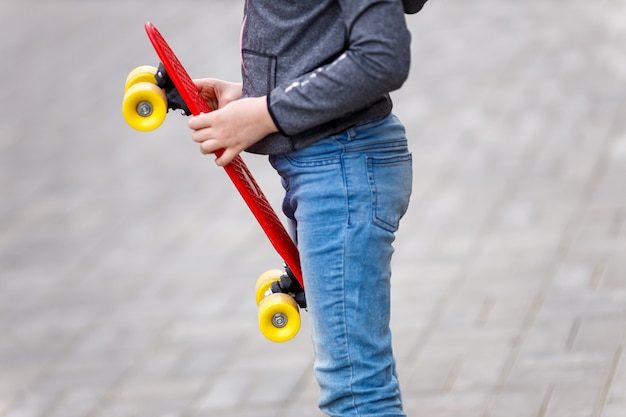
237, 170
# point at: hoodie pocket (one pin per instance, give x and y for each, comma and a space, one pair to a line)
258, 72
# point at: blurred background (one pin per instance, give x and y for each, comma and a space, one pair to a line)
128, 261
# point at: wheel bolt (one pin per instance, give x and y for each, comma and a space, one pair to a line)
144, 109
279, 320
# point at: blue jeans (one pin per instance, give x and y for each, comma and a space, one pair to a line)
345, 196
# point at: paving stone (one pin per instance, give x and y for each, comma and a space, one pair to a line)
127, 261
526, 401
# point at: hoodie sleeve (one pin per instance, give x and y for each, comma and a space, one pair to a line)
376, 61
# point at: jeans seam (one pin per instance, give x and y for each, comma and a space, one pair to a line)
345, 322
347, 188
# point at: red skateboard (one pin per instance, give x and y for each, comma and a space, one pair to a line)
149, 93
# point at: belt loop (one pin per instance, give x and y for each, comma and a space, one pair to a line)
350, 134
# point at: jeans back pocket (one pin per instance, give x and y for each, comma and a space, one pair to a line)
390, 180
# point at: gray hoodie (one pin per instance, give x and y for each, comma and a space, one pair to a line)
323, 64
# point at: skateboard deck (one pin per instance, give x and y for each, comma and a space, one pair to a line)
237, 170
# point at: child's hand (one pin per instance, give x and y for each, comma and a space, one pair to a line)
233, 127
218, 93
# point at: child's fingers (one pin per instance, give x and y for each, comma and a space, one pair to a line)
198, 122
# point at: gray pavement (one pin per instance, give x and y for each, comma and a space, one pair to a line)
127, 262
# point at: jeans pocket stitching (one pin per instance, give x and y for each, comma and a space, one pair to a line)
388, 222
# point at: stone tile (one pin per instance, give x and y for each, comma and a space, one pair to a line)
123, 291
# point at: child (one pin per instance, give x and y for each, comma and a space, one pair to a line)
315, 98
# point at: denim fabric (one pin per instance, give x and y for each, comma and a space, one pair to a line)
345, 196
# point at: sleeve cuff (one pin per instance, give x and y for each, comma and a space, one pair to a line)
273, 116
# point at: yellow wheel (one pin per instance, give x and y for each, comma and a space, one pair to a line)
144, 106
144, 73
265, 282
279, 317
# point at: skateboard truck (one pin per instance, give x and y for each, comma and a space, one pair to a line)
288, 284
174, 99
277, 281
